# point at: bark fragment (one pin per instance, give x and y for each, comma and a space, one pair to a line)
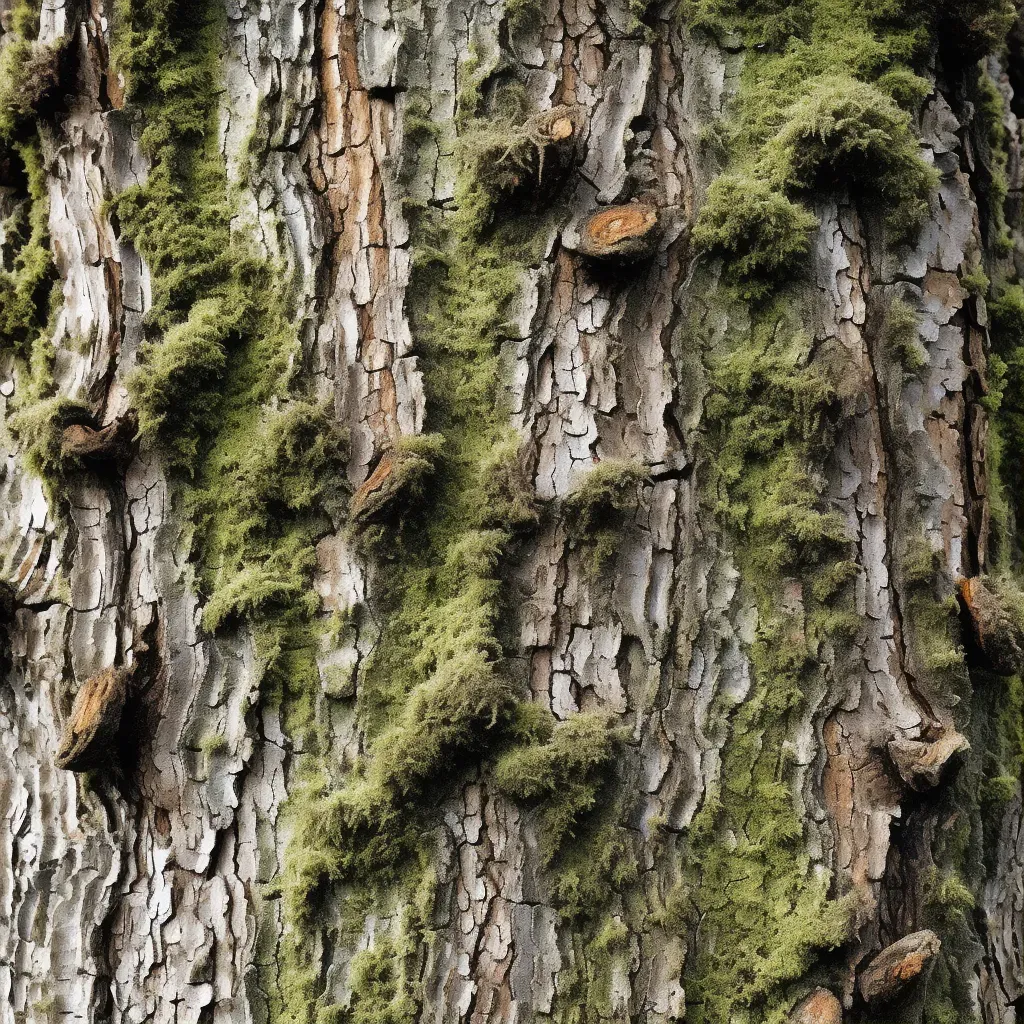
889, 974
922, 763
92, 727
820, 1007
997, 633
620, 232
110, 444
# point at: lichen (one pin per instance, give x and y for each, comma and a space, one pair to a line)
763, 235
38, 427
433, 696
901, 330
818, 110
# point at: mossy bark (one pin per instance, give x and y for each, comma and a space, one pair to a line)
513, 631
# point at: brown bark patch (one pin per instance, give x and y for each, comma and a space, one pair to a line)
374, 492
620, 232
820, 1007
92, 727
112, 443
897, 966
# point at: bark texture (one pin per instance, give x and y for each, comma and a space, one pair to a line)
501, 523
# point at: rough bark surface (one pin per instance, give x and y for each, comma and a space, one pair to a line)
154, 887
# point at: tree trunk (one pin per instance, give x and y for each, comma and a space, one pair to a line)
509, 512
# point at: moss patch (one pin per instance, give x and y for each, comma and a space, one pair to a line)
565, 772
765, 916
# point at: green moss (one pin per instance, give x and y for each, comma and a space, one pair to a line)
901, 329
378, 995
433, 696
29, 70
931, 617
765, 914
38, 427
566, 773
593, 511
1006, 406
260, 502
818, 109
26, 288
376, 513
823, 109
847, 131
763, 235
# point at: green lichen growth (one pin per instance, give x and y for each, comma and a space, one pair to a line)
763, 235
434, 696
38, 427
932, 617
1006, 405
822, 108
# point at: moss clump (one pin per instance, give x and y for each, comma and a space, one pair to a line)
220, 322
596, 506
29, 70
565, 772
175, 387
433, 696
768, 412
818, 109
901, 329
28, 74
932, 616
25, 289
764, 235
38, 427
376, 995
840, 133
264, 495
363, 831
508, 493
1006, 403
848, 133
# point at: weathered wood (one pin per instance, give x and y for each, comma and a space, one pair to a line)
820, 1007
89, 734
343, 130
922, 763
112, 443
890, 973
620, 232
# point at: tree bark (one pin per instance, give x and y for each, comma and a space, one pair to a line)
684, 775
